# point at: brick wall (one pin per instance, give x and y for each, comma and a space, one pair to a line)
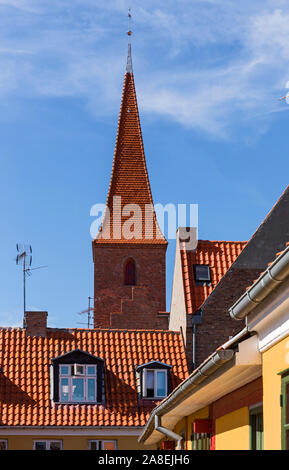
217, 325
248, 395
36, 323
121, 306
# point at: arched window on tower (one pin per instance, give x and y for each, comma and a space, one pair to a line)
130, 273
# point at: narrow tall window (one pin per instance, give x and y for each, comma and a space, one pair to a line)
256, 429
285, 411
130, 273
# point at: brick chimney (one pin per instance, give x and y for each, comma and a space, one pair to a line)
36, 323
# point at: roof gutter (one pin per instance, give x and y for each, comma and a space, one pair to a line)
214, 362
274, 276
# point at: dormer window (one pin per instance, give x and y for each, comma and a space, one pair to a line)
153, 380
77, 377
77, 383
202, 273
155, 383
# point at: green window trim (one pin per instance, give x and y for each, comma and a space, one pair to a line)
285, 412
256, 428
200, 441
284, 372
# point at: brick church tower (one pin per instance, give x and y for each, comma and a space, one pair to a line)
129, 251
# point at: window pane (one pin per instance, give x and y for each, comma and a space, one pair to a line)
77, 390
108, 445
256, 422
91, 396
64, 390
40, 445
94, 445
287, 440
55, 445
79, 370
150, 383
3, 445
161, 383
202, 273
64, 370
287, 403
91, 370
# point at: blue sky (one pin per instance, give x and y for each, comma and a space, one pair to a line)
208, 77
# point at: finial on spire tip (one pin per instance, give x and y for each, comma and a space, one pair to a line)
129, 33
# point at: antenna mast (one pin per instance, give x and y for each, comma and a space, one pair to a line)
88, 311
24, 257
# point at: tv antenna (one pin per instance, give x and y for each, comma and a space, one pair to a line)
88, 311
24, 258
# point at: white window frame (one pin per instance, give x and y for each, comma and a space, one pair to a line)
145, 371
5, 441
47, 443
76, 372
100, 443
85, 376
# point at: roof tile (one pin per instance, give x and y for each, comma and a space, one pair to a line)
25, 401
129, 178
219, 255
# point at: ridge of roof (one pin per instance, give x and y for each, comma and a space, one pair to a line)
223, 241
286, 190
98, 330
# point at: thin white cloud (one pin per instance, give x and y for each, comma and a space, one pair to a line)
205, 64
10, 319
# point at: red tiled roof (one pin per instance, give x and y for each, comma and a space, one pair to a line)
129, 177
25, 380
219, 255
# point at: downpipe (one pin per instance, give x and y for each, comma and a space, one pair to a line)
167, 432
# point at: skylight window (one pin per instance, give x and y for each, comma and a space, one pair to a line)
202, 273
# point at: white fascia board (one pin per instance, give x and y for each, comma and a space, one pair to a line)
68, 431
271, 318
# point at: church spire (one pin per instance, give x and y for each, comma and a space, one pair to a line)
129, 252
129, 178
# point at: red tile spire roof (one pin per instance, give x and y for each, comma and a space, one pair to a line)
129, 177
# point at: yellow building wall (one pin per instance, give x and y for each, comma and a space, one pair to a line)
232, 431
200, 414
181, 428
274, 360
25, 442
186, 425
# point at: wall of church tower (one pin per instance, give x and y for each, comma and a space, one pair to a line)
129, 306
